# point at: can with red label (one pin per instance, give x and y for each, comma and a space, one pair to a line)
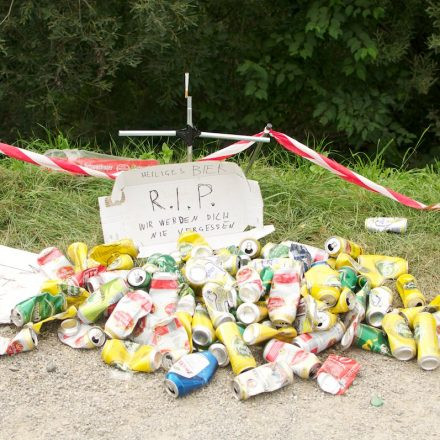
80, 279
284, 297
129, 309
55, 264
250, 286
337, 373
302, 363
164, 291
319, 341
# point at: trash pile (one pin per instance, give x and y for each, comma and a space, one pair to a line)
198, 309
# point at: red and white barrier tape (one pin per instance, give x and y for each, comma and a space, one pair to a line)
287, 142
344, 173
52, 162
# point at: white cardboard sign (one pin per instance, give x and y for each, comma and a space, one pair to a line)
154, 205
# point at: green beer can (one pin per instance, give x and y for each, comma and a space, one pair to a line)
37, 308
266, 276
372, 339
348, 277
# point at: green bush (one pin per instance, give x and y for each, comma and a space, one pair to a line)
356, 71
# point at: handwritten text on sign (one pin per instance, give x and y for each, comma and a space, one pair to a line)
157, 204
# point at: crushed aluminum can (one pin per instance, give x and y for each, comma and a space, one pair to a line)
164, 291
372, 339
38, 308
129, 356
80, 279
400, 337
55, 264
408, 291
249, 313
203, 333
102, 300
130, 308
218, 302
78, 335
103, 253
77, 253
379, 304
120, 262
25, 340
319, 341
263, 379
337, 373
94, 283
257, 333
398, 225
284, 297
139, 278
250, 286
189, 373
303, 363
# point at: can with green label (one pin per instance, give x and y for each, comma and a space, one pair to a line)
348, 277
266, 276
37, 308
372, 339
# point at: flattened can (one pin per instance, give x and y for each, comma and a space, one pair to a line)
386, 224
130, 308
372, 339
121, 262
304, 364
319, 341
336, 245
239, 354
129, 356
101, 300
408, 291
263, 379
379, 304
400, 337
425, 333
78, 335
284, 297
37, 308
55, 264
337, 373
348, 277
257, 333
250, 286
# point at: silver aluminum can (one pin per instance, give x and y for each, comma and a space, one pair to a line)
319, 341
386, 224
380, 302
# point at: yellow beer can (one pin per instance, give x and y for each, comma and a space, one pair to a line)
239, 354
257, 333
127, 355
203, 333
77, 252
326, 320
425, 332
389, 267
410, 313
346, 302
120, 262
104, 252
408, 291
344, 260
336, 245
435, 302
400, 337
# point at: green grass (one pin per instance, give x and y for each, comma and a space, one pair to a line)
39, 208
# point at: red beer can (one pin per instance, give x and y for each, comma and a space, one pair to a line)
337, 373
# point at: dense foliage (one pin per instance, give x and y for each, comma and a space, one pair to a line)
355, 71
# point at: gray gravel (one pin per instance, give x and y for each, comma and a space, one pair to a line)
85, 399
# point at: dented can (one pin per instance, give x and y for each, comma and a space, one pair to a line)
319, 341
139, 278
408, 291
77, 253
78, 335
25, 340
248, 312
400, 337
304, 364
284, 297
221, 353
218, 301
250, 286
263, 379
164, 291
337, 373
386, 224
379, 304
55, 264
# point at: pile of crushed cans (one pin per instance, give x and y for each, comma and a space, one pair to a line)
198, 309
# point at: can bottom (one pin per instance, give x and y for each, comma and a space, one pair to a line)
429, 362
238, 392
404, 353
375, 319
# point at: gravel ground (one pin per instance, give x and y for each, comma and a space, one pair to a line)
86, 399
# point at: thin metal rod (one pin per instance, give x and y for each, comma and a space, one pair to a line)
186, 84
147, 132
257, 150
234, 137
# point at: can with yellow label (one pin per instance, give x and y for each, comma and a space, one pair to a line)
345, 302
408, 291
239, 354
203, 333
400, 337
425, 333
104, 252
257, 333
129, 356
77, 252
336, 245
